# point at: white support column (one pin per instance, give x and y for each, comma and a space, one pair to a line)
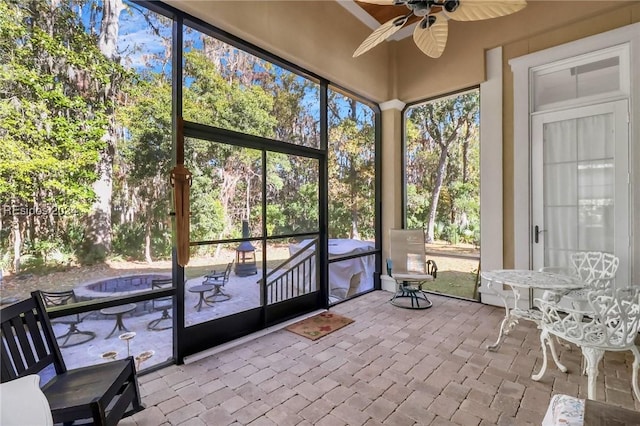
491, 211
391, 174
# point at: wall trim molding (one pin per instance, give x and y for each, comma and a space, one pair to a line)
392, 104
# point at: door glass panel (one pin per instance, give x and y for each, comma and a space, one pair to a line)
226, 204
226, 190
578, 187
292, 194
217, 285
589, 75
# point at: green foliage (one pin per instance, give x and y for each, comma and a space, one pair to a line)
446, 127
61, 97
302, 211
451, 233
351, 167
207, 212
51, 125
276, 219
128, 240
211, 99
53, 116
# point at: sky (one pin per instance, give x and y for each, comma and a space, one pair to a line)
140, 47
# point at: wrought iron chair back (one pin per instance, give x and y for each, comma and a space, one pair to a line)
219, 278
598, 269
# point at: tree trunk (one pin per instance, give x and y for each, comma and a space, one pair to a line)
109, 26
147, 241
353, 179
435, 195
354, 203
99, 219
17, 243
248, 198
465, 161
465, 154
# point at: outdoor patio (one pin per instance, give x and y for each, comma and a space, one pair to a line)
391, 366
244, 292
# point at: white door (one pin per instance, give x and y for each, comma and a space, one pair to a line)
580, 185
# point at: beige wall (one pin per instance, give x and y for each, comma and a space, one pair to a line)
541, 24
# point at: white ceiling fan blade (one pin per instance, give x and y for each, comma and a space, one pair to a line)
381, 33
433, 39
477, 10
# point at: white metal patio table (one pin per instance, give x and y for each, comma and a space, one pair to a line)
519, 280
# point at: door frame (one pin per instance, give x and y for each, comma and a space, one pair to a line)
520, 67
201, 336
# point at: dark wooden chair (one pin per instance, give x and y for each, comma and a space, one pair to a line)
74, 336
161, 304
100, 394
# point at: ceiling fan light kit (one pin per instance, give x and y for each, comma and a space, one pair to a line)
431, 33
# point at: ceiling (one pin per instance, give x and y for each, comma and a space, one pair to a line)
373, 15
383, 13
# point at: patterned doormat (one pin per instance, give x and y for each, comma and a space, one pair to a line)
319, 325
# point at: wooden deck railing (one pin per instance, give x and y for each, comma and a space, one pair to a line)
295, 276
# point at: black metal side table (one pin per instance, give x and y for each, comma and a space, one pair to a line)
118, 311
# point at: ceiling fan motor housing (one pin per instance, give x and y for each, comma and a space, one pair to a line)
423, 7
451, 5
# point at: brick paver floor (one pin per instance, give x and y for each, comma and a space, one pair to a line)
392, 366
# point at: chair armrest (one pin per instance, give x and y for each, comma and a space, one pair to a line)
432, 268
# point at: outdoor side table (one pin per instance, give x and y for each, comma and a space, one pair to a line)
201, 290
519, 280
118, 311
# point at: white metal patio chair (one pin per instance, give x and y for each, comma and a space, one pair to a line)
595, 268
613, 326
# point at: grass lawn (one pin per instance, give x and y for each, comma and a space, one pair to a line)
456, 276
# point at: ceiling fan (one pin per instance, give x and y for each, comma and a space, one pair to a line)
430, 34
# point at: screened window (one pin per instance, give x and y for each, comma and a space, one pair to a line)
352, 197
231, 89
442, 183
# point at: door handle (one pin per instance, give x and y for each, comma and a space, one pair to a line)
536, 233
